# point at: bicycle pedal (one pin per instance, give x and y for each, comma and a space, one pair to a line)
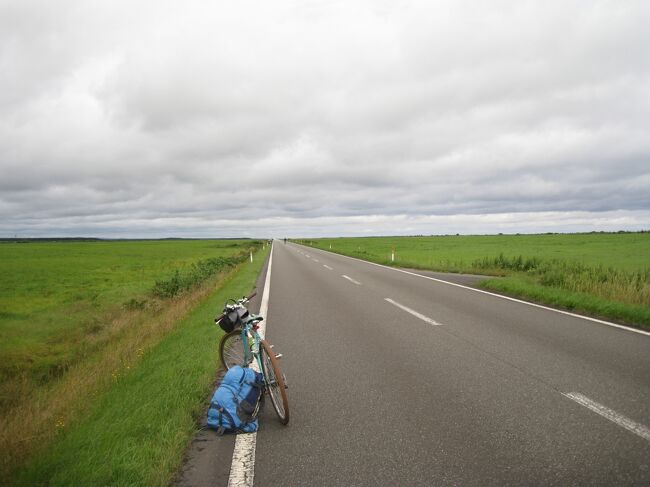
279, 356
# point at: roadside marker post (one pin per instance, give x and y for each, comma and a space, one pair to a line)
392, 254
251, 254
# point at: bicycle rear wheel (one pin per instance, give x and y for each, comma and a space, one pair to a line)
274, 382
231, 350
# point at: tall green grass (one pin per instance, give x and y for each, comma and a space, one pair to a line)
137, 431
609, 283
603, 274
57, 299
196, 274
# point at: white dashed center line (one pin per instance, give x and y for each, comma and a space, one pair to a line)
351, 280
327, 267
414, 313
605, 412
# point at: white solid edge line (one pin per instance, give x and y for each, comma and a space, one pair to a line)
242, 467
500, 296
605, 412
350, 279
414, 313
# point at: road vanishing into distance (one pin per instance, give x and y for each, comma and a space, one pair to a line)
396, 379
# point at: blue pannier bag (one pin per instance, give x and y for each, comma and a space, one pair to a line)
236, 402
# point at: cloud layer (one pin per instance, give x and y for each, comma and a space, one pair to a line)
323, 118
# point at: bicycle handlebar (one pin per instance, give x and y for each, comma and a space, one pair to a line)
239, 302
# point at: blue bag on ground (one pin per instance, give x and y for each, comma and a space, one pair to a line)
236, 402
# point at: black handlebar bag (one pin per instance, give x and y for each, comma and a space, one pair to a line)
233, 319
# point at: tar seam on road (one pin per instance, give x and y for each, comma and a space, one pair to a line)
501, 296
605, 412
414, 313
242, 468
350, 279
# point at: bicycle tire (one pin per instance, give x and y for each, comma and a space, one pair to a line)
231, 350
275, 382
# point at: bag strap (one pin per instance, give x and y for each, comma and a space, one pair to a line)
223, 412
256, 384
256, 406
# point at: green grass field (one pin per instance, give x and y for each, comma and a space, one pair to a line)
54, 295
603, 274
78, 316
137, 430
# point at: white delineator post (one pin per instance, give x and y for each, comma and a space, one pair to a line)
251, 254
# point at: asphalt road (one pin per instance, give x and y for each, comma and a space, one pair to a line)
470, 390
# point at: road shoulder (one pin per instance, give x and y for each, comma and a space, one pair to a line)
208, 458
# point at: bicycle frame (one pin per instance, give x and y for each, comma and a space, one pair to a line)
250, 353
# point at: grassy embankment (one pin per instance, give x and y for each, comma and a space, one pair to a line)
123, 358
602, 274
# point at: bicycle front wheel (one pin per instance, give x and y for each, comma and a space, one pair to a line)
231, 350
274, 381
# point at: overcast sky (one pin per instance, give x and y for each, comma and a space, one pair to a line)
308, 118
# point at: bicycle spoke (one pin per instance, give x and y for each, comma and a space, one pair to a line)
232, 350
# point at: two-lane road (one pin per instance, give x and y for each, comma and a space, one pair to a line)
475, 390
397, 379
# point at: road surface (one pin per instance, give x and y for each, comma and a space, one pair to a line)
396, 379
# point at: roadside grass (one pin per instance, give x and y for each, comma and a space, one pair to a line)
523, 287
139, 423
602, 274
51, 372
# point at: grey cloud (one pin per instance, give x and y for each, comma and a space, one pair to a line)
124, 120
